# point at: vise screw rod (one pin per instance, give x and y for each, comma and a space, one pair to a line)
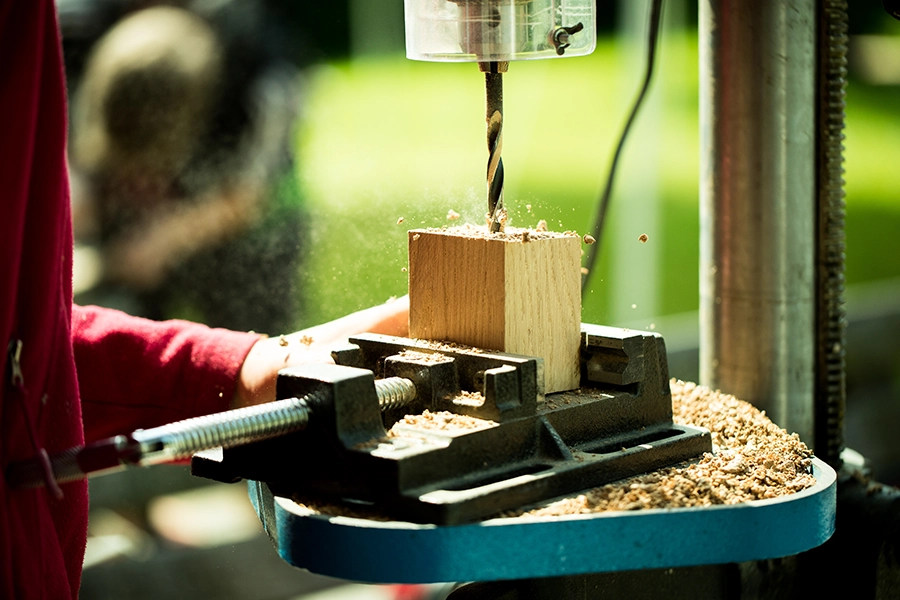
180, 440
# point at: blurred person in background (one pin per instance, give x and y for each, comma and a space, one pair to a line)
76, 374
181, 157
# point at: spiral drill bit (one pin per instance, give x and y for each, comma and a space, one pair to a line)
493, 80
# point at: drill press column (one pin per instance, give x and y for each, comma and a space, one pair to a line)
757, 203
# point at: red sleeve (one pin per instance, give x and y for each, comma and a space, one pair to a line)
136, 373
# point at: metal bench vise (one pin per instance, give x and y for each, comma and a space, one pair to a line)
528, 448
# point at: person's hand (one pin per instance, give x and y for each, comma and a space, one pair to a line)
256, 383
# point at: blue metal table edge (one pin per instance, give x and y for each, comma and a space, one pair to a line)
529, 547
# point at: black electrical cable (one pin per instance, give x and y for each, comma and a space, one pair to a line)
597, 231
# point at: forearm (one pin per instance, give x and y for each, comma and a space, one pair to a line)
136, 373
143, 255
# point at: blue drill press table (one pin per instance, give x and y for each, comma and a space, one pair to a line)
528, 547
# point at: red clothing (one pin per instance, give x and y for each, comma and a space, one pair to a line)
139, 373
133, 373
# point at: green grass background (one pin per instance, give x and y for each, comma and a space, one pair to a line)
386, 138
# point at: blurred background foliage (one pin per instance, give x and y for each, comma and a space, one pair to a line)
379, 138
383, 138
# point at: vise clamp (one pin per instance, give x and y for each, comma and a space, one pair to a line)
522, 446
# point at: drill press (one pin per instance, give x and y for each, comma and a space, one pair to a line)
488, 294
425, 493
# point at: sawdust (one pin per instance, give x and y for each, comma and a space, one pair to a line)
326, 507
425, 357
509, 234
755, 460
473, 399
438, 421
451, 347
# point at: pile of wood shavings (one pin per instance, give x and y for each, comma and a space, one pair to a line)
425, 357
451, 347
441, 420
755, 459
511, 234
473, 399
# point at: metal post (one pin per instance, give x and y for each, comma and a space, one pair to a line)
757, 204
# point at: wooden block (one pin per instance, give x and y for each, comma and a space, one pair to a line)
498, 292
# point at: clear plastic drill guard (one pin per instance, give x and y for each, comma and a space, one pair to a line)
498, 30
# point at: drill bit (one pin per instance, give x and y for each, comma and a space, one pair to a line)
493, 80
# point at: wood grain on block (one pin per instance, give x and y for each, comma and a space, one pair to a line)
514, 292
